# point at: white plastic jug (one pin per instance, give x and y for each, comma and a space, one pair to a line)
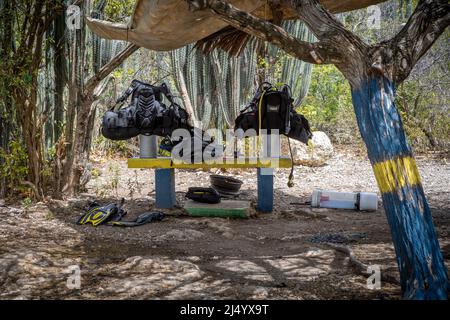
364, 201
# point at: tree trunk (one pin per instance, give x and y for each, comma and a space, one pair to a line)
6, 102
90, 127
185, 96
59, 70
75, 86
84, 120
32, 137
81, 150
423, 274
48, 98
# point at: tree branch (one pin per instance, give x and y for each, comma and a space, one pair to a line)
326, 28
317, 53
320, 21
426, 24
100, 88
92, 82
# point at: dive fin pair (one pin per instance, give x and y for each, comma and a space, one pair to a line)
112, 214
97, 215
143, 218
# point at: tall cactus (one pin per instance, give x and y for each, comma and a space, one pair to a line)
294, 72
217, 86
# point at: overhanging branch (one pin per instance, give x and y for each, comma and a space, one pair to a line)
316, 53
352, 49
426, 24
92, 82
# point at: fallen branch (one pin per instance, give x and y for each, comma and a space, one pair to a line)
360, 267
33, 187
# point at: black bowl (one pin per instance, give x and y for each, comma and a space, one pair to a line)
225, 183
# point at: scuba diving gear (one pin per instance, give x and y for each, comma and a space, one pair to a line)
112, 214
96, 214
146, 114
199, 143
204, 195
272, 108
143, 218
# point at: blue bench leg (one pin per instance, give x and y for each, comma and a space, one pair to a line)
265, 189
165, 188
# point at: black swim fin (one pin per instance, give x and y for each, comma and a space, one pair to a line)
143, 218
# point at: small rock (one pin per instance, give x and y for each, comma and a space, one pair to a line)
77, 203
338, 238
316, 154
181, 235
15, 211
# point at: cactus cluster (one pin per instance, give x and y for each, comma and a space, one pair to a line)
218, 85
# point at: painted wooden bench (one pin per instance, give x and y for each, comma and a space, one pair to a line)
165, 173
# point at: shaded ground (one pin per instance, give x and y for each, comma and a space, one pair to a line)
276, 256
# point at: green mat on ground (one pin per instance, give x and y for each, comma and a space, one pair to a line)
224, 209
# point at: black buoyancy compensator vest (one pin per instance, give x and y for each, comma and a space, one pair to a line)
146, 113
272, 108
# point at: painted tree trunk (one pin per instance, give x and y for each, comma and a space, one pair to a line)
423, 274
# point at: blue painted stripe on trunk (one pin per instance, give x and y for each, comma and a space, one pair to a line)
417, 254
423, 273
376, 113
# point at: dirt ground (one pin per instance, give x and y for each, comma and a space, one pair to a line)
282, 255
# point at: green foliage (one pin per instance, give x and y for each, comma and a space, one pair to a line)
27, 202
14, 165
328, 92
425, 115
117, 10
328, 106
111, 147
422, 102
95, 173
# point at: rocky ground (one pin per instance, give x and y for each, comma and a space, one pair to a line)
283, 255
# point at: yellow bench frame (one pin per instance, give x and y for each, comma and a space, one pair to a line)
165, 176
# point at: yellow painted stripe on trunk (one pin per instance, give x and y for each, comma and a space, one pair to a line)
391, 175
